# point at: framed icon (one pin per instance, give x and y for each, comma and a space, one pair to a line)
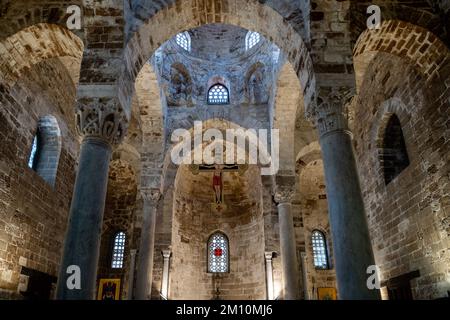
326, 294
109, 289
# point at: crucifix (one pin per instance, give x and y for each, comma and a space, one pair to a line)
217, 180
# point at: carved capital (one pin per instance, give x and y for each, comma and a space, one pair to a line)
101, 118
284, 188
166, 254
329, 114
268, 255
284, 194
151, 195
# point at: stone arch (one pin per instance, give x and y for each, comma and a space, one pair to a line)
34, 44
288, 100
170, 169
426, 52
20, 14
308, 154
49, 143
248, 14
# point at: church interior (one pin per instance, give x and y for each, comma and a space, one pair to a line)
94, 207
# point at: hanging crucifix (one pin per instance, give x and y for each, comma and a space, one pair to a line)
218, 184
217, 180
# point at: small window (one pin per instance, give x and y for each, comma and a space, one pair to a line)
394, 156
46, 149
32, 160
184, 40
118, 250
252, 39
218, 94
320, 251
218, 253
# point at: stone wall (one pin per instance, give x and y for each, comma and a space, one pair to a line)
33, 213
194, 222
409, 217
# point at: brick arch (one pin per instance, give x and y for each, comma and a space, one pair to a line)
425, 51
308, 154
21, 14
248, 14
423, 15
32, 45
288, 105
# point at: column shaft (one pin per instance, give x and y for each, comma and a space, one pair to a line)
82, 244
288, 251
269, 275
131, 274
144, 270
165, 277
351, 240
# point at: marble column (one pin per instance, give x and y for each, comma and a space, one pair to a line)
144, 272
351, 240
269, 274
165, 278
305, 275
283, 196
131, 274
102, 127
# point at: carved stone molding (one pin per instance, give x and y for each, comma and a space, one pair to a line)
330, 112
151, 195
100, 119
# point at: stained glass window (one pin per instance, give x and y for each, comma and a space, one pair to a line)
319, 250
33, 155
218, 253
118, 250
184, 40
252, 39
218, 94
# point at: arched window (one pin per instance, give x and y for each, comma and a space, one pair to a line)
46, 149
394, 157
320, 251
218, 253
252, 39
218, 94
118, 250
184, 40
34, 154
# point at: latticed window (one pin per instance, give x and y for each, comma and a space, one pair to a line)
118, 250
218, 253
32, 160
320, 253
252, 39
218, 94
184, 40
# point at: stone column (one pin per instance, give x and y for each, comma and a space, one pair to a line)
305, 275
144, 275
165, 278
102, 127
351, 241
269, 274
131, 274
283, 196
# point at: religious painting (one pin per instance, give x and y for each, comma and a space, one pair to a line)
109, 289
326, 294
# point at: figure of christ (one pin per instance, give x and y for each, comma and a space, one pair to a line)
217, 183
